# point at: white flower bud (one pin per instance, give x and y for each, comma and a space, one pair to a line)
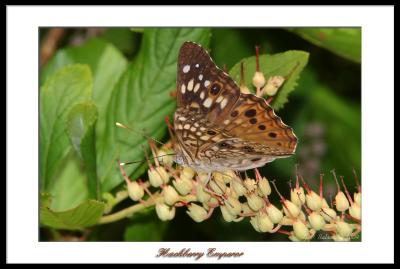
154, 178
170, 195
187, 173
228, 217
204, 177
254, 223
355, 211
238, 187
258, 79
343, 228
255, 202
163, 174
291, 210
264, 223
274, 213
273, 85
135, 191
233, 205
302, 216
316, 221
218, 185
165, 212
342, 204
263, 187
324, 203
357, 198
183, 185
250, 184
300, 230
297, 196
244, 89
196, 212
293, 238
228, 176
313, 200
201, 195
246, 209
286, 221
328, 214
164, 158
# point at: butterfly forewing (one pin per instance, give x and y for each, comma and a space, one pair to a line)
202, 86
219, 128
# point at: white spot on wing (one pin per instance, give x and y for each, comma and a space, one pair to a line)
183, 88
190, 85
186, 126
202, 95
201, 77
224, 102
219, 99
196, 87
206, 83
186, 68
197, 65
208, 102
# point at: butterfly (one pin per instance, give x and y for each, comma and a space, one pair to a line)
218, 128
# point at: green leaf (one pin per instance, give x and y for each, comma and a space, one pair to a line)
85, 215
141, 100
288, 64
106, 63
68, 187
122, 38
145, 230
345, 42
63, 90
81, 131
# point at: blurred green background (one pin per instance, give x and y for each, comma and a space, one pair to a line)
324, 109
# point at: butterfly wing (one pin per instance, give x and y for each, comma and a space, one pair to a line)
211, 109
202, 86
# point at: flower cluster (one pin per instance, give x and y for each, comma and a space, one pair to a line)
300, 217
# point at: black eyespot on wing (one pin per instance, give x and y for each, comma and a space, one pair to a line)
261, 127
253, 120
250, 113
215, 89
272, 134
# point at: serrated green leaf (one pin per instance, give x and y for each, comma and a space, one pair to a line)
85, 215
288, 64
141, 100
345, 42
81, 131
63, 90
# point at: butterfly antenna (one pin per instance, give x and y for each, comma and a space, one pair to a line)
120, 125
141, 161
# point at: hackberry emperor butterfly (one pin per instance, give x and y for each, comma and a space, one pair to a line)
219, 128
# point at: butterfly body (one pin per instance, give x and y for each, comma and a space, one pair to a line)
218, 128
